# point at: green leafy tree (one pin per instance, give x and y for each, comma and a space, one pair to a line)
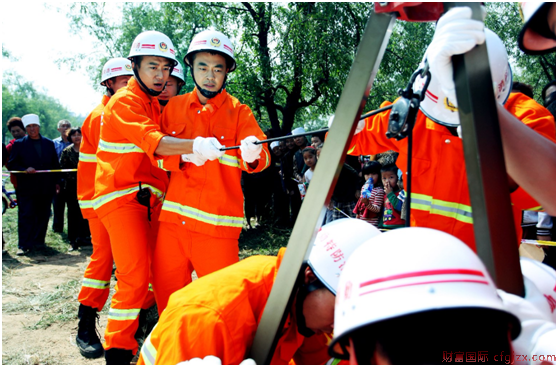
293, 58
504, 19
20, 97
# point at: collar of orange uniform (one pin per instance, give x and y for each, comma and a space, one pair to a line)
105, 99
135, 88
212, 105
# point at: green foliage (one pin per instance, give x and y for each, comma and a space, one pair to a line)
293, 58
20, 97
505, 21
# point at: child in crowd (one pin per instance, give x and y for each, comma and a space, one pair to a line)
392, 205
310, 160
369, 204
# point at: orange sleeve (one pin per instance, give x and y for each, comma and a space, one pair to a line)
539, 119
532, 114
247, 126
129, 119
198, 332
373, 140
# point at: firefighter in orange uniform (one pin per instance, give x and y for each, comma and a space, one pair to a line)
130, 182
173, 87
202, 214
440, 193
96, 280
218, 314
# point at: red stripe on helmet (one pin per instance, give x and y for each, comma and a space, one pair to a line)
227, 48
432, 96
423, 283
423, 274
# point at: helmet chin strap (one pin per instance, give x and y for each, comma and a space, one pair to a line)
144, 87
163, 102
204, 92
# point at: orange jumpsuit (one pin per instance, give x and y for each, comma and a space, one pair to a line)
219, 314
440, 193
202, 214
126, 156
96, 280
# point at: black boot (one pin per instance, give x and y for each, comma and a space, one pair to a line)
141, 332
87, 338
118, 356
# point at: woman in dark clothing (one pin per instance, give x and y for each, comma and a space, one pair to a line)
78, 227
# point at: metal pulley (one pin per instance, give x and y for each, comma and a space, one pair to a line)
404, 110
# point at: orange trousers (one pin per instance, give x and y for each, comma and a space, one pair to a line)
95, 287
132, 239
179, 252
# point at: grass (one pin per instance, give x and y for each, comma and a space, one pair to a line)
60, 306
54, 306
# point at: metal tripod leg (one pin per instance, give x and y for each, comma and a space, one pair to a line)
486, 170
352, 101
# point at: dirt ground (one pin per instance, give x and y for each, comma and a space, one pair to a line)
39, 308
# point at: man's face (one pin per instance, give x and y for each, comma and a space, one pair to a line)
277, 151
300, 141
17, 132
318, 310
154, 71
118, 82
171, 89
210, 70
63, 129
33, 130
289, 143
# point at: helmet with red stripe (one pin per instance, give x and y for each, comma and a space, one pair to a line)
410, 271
439, 108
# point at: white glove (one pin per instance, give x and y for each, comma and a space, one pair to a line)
358, 129
532, 312
206, 361
250, 151
248, 362
456, 34
208, 148
196, 159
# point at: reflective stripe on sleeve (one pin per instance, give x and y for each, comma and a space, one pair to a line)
103, 199
95, 283
122, 315
196, 214
160, 164
229, 160
88, 158
119, 147
86, 204
448, 209
148, 351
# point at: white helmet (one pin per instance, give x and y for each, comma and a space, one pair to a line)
116, 67
153, 43
544, 278
535, 37
212, 41
178, 72
408, 271
437, 107
334, 243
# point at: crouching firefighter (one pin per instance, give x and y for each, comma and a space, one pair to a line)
218, 314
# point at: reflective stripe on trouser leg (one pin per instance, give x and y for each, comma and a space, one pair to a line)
96, 280
179, 251
132, 238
